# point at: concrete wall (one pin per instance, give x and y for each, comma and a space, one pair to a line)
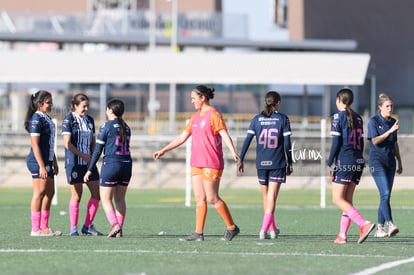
382, 28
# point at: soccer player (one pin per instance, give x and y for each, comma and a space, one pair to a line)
114, 136
383, 153
78, 130
208, 129
41, 161
273, 157
347, 153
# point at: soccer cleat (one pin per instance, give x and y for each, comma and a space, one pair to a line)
74, 232
392, 230
340, 240
194, 237
230, 234
35, 233
49, 232
274, 234
380, 233
364, 231
116, 229
263, 235
90, 231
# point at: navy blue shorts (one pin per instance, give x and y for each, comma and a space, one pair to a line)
275, 175
116, 172
74, 174
345, 174
34, 169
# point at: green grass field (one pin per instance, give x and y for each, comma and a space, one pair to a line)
156, 218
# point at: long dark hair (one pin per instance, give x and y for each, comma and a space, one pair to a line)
117, 106
35, 101
272, 98
346, 96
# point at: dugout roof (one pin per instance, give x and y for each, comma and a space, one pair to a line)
291, 68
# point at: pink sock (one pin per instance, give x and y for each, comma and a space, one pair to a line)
121, 220
91, 210
356, 217
44, 219
267, 218
73, 213
111, 216
344, 225
272, 226
36, 221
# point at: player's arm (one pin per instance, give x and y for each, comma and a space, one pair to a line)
381, 138
55, 165
334, 150
95, 156
35, 143
229, 143
336, 133
69, 146
288, 154
172, 145
398, 157
245, 147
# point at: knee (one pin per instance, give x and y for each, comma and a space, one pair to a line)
76, 197
385, 196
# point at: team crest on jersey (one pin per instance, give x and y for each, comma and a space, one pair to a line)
74, 174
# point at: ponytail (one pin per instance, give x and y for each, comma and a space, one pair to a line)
35, 101
117, 107
272, 98
346, 96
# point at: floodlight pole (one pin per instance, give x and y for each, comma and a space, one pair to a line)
173, 88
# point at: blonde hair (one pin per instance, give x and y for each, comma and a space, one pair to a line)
382, 97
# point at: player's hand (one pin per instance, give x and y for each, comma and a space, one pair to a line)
87, 158
43, 172
157, 155
399, 169
394, 127
240, 168
55, 169
330, 175
86, 176
289, 169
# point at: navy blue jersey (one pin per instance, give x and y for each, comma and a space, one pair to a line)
273, 147
347, 143
108, 140
81, 131
384, 152
41, 125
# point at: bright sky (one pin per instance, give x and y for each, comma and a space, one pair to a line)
260, 24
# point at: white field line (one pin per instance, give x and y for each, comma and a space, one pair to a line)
382, 267
184, 252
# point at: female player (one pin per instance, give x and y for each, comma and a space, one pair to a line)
347, 154
41, 161
116, 168
273, 157
207, 163
384, 150
78, 130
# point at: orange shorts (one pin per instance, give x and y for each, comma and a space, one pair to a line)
209, 174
